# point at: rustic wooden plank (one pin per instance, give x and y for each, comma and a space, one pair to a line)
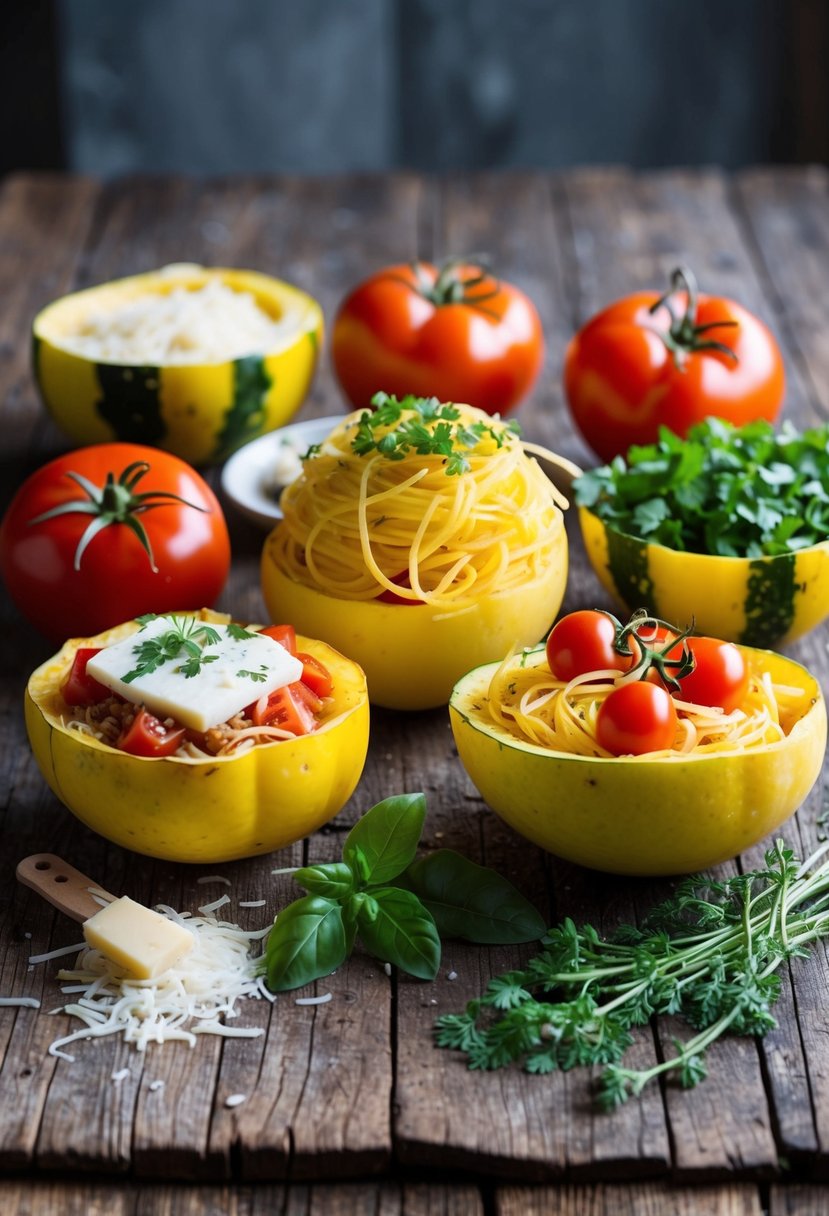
785, 211
636, 1199
798, 1200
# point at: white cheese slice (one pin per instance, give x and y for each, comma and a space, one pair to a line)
232, 672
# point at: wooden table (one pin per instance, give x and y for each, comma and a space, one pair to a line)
349, 1107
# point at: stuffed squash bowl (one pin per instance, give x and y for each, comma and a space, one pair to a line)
190, 805
654, 813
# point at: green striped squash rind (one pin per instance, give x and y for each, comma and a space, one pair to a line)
201, 412
757, 602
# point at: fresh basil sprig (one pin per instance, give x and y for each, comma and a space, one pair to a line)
395, 905
749, 491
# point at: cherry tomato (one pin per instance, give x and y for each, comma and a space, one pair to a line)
636, 718
454, 332
648, 361
109, 532
79, 687
583, 641
291, 708
284, 634
720, 676
148, 736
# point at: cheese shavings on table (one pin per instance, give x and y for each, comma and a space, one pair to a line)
198, 995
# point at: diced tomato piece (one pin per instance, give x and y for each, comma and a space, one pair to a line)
389, 597
284, 634
79, 687
291, 708
316, 675
148, 736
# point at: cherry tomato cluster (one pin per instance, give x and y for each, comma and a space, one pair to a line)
665, 665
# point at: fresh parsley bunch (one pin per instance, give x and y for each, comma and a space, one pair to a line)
710, 954
734, 492
426, 426
395, 905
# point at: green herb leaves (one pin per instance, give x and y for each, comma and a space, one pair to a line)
395, 905
187, 636
425, 426
746, 492
709, 954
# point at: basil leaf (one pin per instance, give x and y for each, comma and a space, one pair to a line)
384, 841
307, 941
334, 880
472, 902
402, 932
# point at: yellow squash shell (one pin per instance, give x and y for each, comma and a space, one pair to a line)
641, 815
413, 654
201, 412
208, 810
765, 601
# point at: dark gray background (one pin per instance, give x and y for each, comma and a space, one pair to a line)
321, 86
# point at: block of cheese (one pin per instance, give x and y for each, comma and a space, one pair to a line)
226, 675
142, 941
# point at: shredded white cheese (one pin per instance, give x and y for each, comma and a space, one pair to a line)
19, 1002
213, 878
206, 325
235, 1099
206, 909
252, 903
313, 1000
196, 996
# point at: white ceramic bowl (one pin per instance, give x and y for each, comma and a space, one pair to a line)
252, 478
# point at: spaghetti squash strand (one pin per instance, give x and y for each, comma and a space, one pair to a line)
357, 526
528, 702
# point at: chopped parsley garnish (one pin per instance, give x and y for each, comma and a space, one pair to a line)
257, 676
425, 426
733, 492
238, 632
186, 636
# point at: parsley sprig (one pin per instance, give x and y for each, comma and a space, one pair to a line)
425, 426
733, 492
187, 637
709, 954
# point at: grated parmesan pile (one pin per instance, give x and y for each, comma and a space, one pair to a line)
187, 1000
208, 325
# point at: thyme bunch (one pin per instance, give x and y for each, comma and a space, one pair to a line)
709, 954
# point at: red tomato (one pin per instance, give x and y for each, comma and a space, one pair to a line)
284, 634
71, 548
316, 676
720, 676
148, 736
291, 708
636, 718
584, 641
80, 688
648, 361
390, 597
454, 332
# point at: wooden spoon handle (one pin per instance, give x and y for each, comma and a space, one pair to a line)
59, 883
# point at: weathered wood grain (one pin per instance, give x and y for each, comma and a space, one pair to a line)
787, 217
636, 1199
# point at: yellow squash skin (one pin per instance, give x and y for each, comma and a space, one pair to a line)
635, 815
717, 591
193, 400
413, 654
205, 810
